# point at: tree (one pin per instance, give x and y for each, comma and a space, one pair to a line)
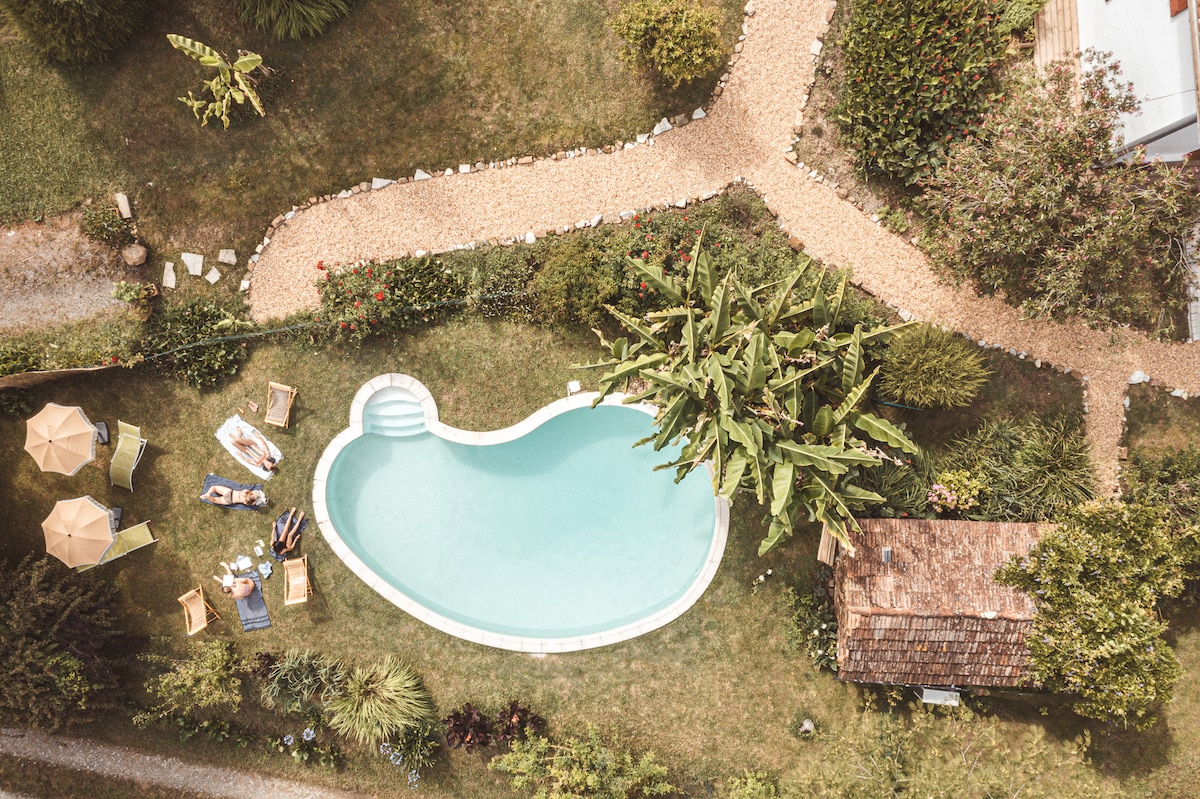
233, 83
1095, 582
56, 631
679, 40
1031, 206
75, 31
762, 385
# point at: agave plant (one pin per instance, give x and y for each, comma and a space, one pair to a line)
233, 83
763, 385
516, 723
380, 701
468, 728
302, 681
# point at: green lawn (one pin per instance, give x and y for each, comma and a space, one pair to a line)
392, 88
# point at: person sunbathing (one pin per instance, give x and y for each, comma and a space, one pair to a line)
285, 541
255, 451
224, 495
236, 587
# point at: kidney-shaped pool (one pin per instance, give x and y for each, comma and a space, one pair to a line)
553, 535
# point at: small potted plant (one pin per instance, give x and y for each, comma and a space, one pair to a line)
136, 294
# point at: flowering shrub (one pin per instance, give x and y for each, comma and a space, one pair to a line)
413, 752
1029, 208
306, 748
954, 493
363, 300
813, 626
918, 76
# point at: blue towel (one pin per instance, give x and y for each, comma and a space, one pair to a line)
278, 534
253, 609
211, 480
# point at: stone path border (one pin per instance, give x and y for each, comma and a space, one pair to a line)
746, 135
81, 754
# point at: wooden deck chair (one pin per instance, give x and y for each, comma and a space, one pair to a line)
279, 404
123, 543
196, 610
130, 448
296, 588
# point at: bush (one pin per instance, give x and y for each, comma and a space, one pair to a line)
204, 680
468, 728
1017, 16
302, 681
1032, 470
1171, 481
75, 31
17, 356
585, 768
903, 486
917, 76
504, 288
178, 325
292, 19
750, 785
363, 299
1029, 207
16, 402
812, 627
574, 284
955, 493
928, 367
378, 702
679, 40
57, 631
106, 226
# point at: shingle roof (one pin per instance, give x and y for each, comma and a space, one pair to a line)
933, 615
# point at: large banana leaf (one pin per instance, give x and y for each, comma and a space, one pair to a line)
814, 456
657, 281
783, 485
197, 50
883, 430
853, 397
852, 365
780, 528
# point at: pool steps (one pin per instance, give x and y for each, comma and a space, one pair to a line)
397, 413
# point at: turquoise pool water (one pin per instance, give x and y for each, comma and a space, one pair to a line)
566, 531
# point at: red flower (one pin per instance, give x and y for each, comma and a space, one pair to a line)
643, 284
352, 327
342, 324
379, 296
640, 294
320, 266
357, 303
356, 271
113, 359
645, 254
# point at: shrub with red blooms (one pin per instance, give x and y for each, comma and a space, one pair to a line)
363, 300
1034, 207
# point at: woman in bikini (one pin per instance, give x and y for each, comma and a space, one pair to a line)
238, 587
284, 541
254, 451
224, 495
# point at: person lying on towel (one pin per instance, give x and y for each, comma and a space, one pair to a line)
255, 451
236, 587
224, 495
286, 536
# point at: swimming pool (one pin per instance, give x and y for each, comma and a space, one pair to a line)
552, 535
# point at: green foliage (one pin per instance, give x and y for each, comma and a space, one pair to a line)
130, 292
918, 76
204, 680
415, 748
292, 19
1023, 209
757, 382
178, 325
1032, 470
904, 486
581, 768
302, 680
75, 32
812, 628
378, 702
1017, 16
235, 81
16, 402
929, 367
575, 283
935, 752
106, 226
504, 286
17, 356
955, 492
364, 300
1095, 582
679, 40
1171, 481
57, 630
750, 785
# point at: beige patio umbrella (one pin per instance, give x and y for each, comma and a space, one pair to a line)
78, 531
60, 438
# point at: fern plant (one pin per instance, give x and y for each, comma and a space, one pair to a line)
292, 19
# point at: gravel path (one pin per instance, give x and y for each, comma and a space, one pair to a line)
744, 136
166, 772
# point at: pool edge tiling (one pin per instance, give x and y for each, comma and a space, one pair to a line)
420, 393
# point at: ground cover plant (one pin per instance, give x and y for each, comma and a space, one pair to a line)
75, 31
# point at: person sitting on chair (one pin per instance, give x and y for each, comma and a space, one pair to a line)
284, 541
255, 451
236, 587
224, 495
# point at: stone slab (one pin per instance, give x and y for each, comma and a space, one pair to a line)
213, 275
168, 278
379, 183
194, 263
228, 257
123, 205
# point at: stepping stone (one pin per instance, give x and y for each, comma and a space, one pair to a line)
213, 275
662, 127
379, 183
421, 174
194, 263
227, 257
123, 205
168, 278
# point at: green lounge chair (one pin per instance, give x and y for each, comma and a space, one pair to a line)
130, 446
125, 542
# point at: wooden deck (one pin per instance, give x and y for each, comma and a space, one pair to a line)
1057, 27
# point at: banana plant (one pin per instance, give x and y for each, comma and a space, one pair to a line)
233, 82
763, 385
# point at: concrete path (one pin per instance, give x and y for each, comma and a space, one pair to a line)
744, 136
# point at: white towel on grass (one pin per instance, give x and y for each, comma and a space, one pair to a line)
224, 434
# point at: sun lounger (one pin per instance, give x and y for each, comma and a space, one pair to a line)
125, 542
197, 613
225, 434
130, 448
252, 609
211, 480
279, 404
296, 587
280, 526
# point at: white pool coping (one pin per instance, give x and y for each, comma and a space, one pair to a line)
513, 643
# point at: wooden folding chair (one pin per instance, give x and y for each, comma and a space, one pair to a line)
279, 404
296, 587
196, 610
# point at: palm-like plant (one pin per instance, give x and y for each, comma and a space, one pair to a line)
378, 702
233, 83
762, 385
